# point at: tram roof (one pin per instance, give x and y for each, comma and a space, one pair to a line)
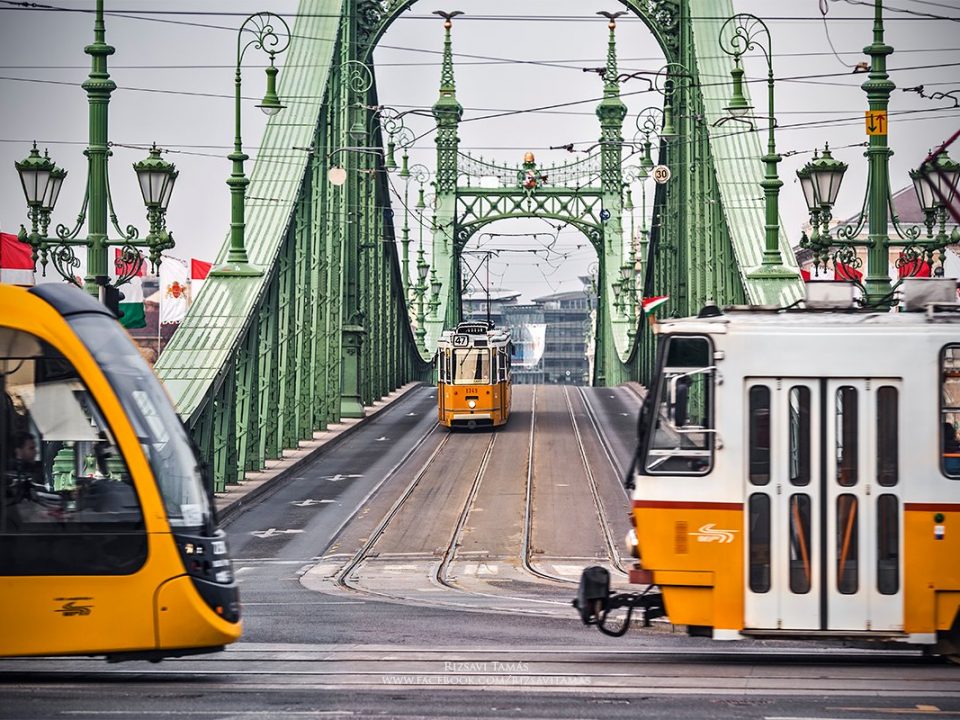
737, 316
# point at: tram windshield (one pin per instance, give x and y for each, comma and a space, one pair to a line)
681, 441
471, 366
162, 435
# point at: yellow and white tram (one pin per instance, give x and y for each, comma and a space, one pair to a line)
109, 543
473, 376
798, 475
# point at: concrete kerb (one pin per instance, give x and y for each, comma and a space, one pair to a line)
257, 485
637, 389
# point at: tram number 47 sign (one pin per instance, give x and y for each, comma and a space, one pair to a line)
876, 122
661, 173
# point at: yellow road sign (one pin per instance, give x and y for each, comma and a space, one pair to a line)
876, 122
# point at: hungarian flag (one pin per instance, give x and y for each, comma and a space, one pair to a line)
16, 261
652, 303
174, 289
198, 274
131, 307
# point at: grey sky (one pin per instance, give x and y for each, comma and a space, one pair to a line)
177, 59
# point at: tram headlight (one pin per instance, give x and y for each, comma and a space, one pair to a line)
471, 404
633, 546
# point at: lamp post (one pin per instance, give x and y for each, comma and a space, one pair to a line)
935, 184
261, 26
738, 35
42, 180
421, 290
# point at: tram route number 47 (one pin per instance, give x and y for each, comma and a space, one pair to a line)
461, 340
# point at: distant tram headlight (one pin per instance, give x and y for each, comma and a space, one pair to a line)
633, 547
471, 404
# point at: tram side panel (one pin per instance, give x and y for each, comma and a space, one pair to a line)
691, 524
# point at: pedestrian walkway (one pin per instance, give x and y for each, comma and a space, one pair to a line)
256, 485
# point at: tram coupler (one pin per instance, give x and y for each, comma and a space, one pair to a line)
594, 601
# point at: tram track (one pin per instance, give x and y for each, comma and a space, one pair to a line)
594, 488
609, 541
440, 571
341, 577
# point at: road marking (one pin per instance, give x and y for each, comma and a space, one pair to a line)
412, 414
562, 485
399, 568
310, 502
339, 476
381, 439
273, 531
569, 570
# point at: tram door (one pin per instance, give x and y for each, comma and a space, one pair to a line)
823, 504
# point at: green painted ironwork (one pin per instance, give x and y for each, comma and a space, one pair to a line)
263, 362
42, 180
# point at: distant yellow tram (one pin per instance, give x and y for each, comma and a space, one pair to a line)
108, 540
473, 376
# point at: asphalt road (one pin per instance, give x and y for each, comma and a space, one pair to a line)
412, 572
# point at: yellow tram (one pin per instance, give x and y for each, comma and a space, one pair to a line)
473, 376
798, 476
108, 540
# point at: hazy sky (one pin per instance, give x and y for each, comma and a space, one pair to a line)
175, 87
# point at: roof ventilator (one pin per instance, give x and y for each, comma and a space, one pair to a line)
918, 293
830, 295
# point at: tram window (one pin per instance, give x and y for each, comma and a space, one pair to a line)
887, 436
799, 400
67, 501
847, 549
950, 410
471, 367
162, 436
846, 436
759, 435
888, 545
682, 437
800, 567
759, 509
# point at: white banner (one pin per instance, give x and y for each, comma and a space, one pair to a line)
528, 344
174, 289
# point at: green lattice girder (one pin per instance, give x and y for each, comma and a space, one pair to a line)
258, 363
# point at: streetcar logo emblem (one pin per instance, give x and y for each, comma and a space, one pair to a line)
70, 608
709, 533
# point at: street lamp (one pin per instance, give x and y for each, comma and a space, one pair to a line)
422, 269
261, 26
42, 181
740, 34
935, 185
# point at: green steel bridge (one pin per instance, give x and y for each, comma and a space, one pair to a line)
264, 360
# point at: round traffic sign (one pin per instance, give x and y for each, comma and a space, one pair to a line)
661, 173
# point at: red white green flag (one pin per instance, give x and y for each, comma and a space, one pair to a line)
652, 303
131, 307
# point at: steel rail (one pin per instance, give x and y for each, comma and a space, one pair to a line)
341, 577
440, 571
525, 541
604, 441
594, 489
